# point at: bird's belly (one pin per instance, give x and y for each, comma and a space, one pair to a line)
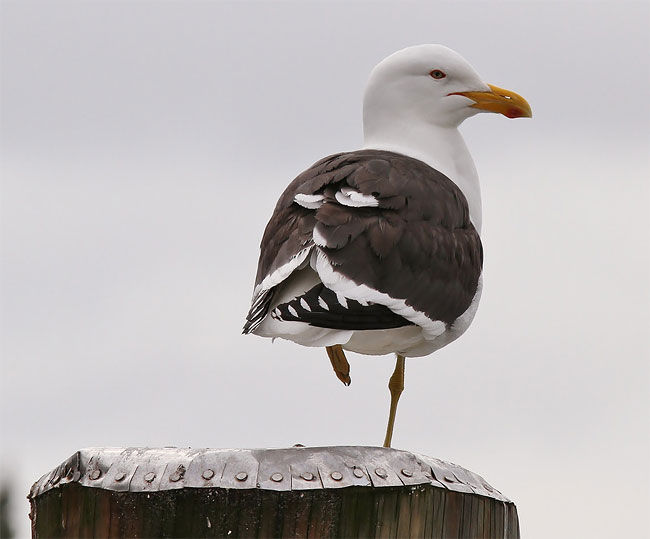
409, 341
378, 342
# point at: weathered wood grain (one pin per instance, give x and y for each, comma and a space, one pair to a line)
422, 511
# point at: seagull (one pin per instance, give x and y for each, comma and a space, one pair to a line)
378, 250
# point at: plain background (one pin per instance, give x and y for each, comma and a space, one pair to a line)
144, 145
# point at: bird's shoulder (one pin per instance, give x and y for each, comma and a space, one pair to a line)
381, 179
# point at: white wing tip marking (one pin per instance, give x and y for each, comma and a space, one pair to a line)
319, 239
311, 202
322, 303
349, 197
280, 274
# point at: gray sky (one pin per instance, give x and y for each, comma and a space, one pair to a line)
144, 145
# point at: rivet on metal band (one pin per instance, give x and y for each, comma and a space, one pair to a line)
381, 473
95, 474
358, 473
149, 477
277, 477
449, 479
120, 476
208, 474
241, 476
308, 476
337, 476
407, 473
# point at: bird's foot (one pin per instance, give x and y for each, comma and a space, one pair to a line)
339, 363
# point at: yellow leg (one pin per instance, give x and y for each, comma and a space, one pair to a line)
396, 386
339, 363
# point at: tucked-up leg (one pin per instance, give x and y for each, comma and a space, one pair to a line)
396, 386
339, 363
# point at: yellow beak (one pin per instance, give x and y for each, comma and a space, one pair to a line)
499, 100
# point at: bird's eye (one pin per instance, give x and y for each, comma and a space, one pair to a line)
437, 74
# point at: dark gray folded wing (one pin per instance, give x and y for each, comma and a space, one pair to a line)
383, 220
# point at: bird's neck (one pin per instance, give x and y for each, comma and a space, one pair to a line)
442, 148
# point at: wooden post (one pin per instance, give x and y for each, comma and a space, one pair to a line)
294, 492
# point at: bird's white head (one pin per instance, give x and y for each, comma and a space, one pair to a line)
434, 84
416, 99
